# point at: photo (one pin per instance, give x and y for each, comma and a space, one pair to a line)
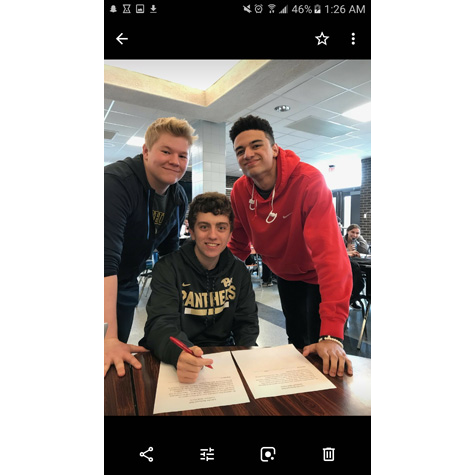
273, 157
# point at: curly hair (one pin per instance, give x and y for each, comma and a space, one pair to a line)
251, 122
210, 202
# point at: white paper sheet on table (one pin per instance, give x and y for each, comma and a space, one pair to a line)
279, 370
220, 386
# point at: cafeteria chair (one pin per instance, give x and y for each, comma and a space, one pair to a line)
361, 298
365, 305
254, 265
146, 275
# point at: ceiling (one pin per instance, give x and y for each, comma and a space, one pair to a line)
317, 92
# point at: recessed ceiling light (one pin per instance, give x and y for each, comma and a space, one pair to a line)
361, 113
282, 108
136, 141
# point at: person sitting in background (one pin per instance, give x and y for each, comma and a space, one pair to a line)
201, 294
354, 242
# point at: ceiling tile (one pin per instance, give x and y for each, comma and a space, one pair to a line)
348, 74
343, 102
313, 91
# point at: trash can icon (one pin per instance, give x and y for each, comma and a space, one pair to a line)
328, 454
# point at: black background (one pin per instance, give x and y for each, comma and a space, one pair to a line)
224, 30
237, 442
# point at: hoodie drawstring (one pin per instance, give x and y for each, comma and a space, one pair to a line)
271, 216
148, 214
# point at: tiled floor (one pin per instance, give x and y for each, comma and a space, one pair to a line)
271, 321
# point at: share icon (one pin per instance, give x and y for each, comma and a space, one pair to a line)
142, 454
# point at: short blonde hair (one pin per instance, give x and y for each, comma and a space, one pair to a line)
169, 125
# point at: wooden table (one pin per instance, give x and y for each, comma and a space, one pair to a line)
134, 393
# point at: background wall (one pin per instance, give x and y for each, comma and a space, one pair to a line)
365, 197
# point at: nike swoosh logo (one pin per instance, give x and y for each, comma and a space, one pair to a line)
185, 285
287, 215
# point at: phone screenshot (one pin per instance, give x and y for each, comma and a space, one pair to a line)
237, 235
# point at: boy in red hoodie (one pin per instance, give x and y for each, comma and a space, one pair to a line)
285, 209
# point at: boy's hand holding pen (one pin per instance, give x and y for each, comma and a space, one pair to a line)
189, 368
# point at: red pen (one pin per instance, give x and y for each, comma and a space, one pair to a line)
185, 348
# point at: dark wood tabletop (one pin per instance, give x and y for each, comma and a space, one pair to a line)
119, 398
134, 393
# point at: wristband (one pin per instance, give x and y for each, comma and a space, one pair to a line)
331, 338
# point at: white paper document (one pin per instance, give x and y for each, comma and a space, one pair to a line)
220, 386
279, 370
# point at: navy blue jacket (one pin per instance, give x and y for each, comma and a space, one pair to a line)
129, 231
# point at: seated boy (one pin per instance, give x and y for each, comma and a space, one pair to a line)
201, 294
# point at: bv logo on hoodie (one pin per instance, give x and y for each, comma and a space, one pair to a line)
209, 303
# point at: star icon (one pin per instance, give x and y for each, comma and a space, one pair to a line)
322, 39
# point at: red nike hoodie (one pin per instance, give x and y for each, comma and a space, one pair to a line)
303, 242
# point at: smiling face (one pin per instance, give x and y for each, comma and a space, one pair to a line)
211, 234
256, 156
165, 163
354, 233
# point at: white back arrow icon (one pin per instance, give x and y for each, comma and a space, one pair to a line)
119, 38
